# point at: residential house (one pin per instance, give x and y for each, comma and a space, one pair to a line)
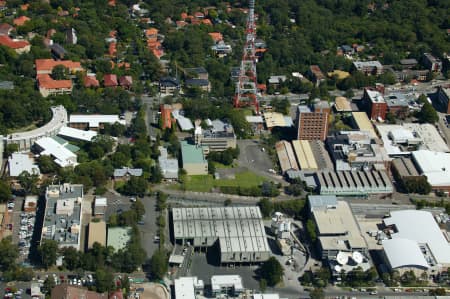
90, 81
6, 29
202, 84
408, 63
126, 82
49, 86
166, 116
45, 66
275, 81
112, 49
221, 49
316, 75
19, 46
110, 80
169, 85
126, 173
216, 36
197, 73
20, 21
58, 51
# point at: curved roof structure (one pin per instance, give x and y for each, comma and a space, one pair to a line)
421, 228
404, 253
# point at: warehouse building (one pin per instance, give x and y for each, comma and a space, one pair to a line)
96, 233
63, 215
354, 183
435, 166
305, 156
189, 288
362, 122
415, 242
286, 156
337, 229
238, 231
193, 158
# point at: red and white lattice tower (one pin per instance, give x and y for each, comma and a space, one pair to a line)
246, 87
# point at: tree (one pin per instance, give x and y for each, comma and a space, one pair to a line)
104, 280
317, 293
10, 252
158, 264
156, 175
46, 164
5, 191
49, 284
427, 114
60, 72
135, 186
311, 229
28, 182
48, 253
272, 271
72, 258
266, 207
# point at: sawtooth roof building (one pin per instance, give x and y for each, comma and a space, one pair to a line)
238, 232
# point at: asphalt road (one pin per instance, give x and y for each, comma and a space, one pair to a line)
148, 230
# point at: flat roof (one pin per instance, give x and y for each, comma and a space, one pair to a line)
364, 124
342, 104
77, 134
118, 237
228, 281
434, 165
184, 122
19, 162
58, 120
192, 153
304, 153
185, 287
429, 135
322, 201
97, 233
420, 226
338, 220
63, 156
95, 119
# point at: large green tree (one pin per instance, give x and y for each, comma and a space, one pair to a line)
272, 271
158, 264
5, 191
48, 253
9, 254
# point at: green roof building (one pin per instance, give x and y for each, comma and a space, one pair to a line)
194, 161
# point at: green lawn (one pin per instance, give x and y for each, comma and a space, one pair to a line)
204, 183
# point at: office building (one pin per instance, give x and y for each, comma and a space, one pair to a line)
229, 285
312, 124
374, 104
238, 232
76, 134
218, 136
26, 139
337, 229
59, 149
93, 122
432, 63
355, 150
189, 288
442, 101
20, 162
63, 216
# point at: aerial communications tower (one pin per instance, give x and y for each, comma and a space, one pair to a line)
246, 87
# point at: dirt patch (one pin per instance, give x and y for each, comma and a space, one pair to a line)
153, 291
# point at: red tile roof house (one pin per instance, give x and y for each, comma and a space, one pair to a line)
126, 82
110, 80
90, 81
19, 46
48, 86
5, 29
45, 66
20, 21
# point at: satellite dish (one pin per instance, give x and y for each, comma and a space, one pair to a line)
338, 268
342, 258
357, 257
